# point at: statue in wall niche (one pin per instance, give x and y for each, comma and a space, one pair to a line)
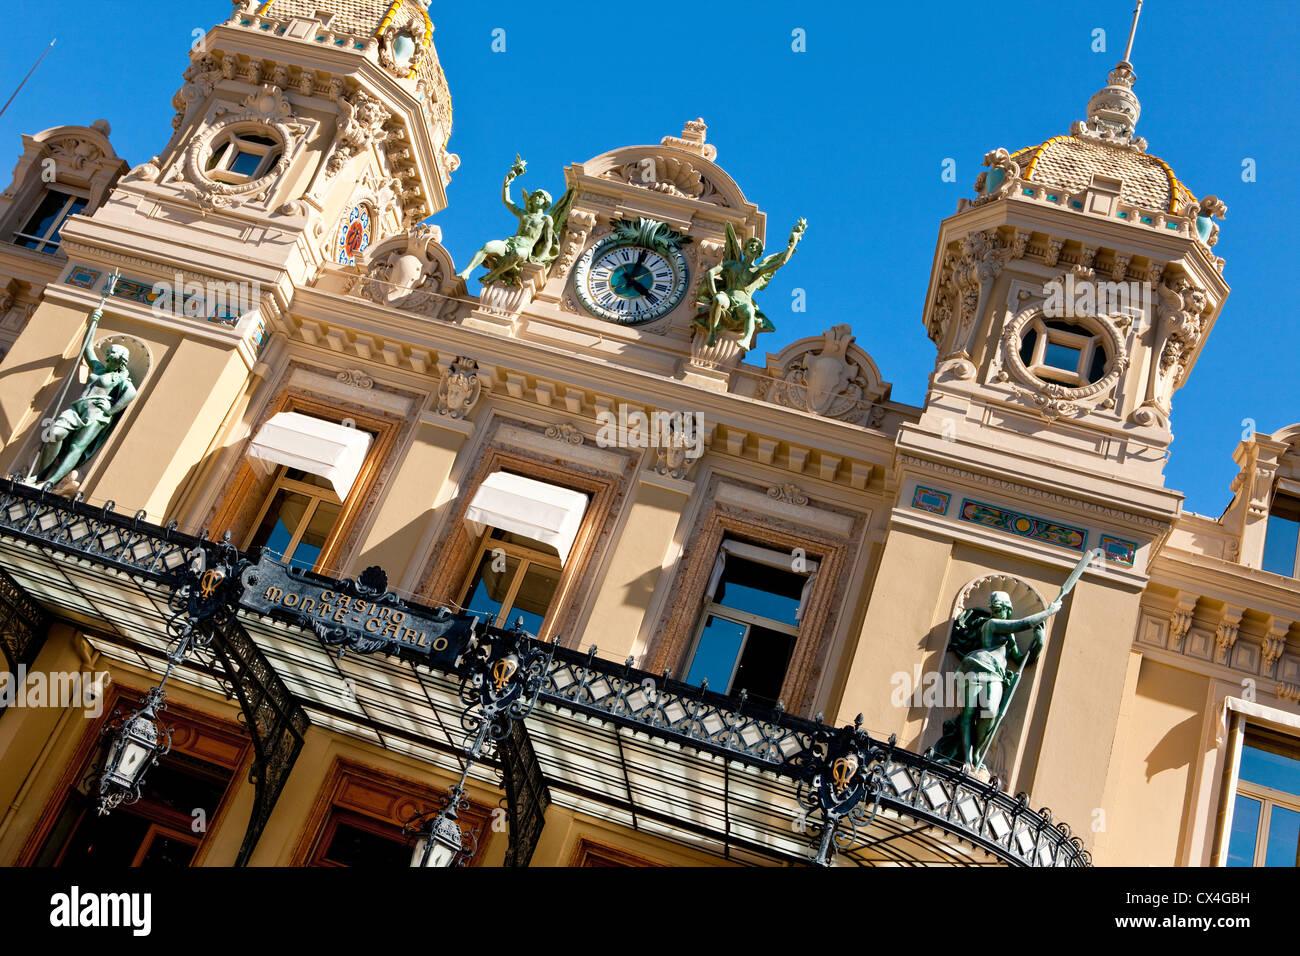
985, 640
80, 430
537, 240
724, 300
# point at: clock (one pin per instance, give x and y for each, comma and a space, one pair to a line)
631, 278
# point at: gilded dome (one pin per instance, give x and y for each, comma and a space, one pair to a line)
360, 18
1069, 162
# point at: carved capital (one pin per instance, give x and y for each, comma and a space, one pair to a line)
1225, 635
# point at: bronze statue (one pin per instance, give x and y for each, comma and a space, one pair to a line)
80, 430
725, 297
985, 683
537, 239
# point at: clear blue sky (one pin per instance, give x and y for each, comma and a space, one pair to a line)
851, 134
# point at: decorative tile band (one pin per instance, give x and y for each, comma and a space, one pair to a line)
82, 277
1118, 550
927, 499
160, 295
1026, 526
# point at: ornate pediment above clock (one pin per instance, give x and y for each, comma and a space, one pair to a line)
681, 167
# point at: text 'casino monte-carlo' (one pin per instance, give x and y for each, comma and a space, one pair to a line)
571, 571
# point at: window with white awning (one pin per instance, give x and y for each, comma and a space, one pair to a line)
532, 509
528, 529
313, 445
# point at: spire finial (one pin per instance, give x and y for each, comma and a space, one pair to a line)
1114, 109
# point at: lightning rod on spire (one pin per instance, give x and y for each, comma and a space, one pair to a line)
1132, 31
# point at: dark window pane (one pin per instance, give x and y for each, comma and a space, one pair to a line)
313, 539
759, 589
353, 846
491, 584
762, 666
245, 164
1270, 769
1283, 837
1245, 826
1280, 543
715, 655
307, 478
47, 214
167, 853
281, 521
1098, 368
106, 841
217, 154
534, 596
1027, 343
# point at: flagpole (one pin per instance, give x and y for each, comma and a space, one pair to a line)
28, 76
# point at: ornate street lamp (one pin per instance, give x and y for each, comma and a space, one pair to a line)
500, 684
138, 744
440, 841
137, 739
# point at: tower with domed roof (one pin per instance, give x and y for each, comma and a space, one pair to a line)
1068, 301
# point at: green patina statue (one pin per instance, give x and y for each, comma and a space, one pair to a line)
724, 300
985, 683
81, 429
537, 240
986, 643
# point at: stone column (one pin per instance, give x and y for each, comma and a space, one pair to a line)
406, 508
636, 569
898, 620
1084, 701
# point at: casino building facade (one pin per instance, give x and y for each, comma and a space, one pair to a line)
301, 540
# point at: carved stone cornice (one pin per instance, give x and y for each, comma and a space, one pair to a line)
1275, 642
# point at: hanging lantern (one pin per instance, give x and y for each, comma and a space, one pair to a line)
138, 745
441, 843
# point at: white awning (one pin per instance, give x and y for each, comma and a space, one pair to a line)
537, 510
334, 452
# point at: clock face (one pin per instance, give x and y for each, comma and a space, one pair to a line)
630, 284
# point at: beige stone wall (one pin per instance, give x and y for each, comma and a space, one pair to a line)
1158, 753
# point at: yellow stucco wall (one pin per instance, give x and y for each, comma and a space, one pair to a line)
1158, 753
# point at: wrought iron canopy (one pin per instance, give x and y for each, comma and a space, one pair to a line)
712, 772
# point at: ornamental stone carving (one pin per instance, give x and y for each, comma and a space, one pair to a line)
789, 493
826, 376
999, 179
200, 79
356, 378
411, 271
269, 111
460, 389
361, 124
565, 432
401, 49
1052, 399
1179, 310
74, 152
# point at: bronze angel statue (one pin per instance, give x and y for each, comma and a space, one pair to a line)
725, 297
536, 240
